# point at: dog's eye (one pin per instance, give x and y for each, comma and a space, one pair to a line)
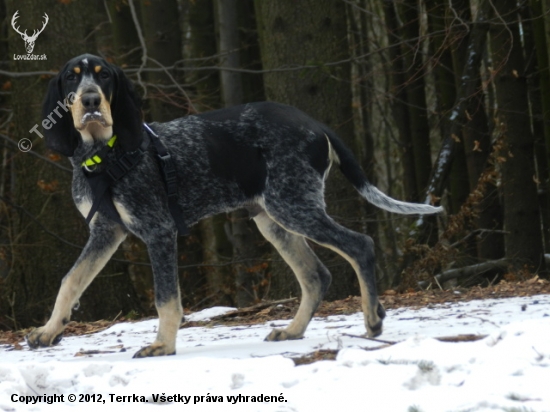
71, 76
104, 74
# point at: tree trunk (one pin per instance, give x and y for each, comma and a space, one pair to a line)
475, 133
163, 41
416, 93
521, 210
241, 231
301, 33
231, 81
125, 42
442, 61
399, 101
539, 83
203, 49
363, 94
216, 248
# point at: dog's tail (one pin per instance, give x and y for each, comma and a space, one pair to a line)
350, 168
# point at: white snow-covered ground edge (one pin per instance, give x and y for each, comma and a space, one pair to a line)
507, 371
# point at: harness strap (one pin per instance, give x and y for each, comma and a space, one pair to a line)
101, 182
169, 174
101, 185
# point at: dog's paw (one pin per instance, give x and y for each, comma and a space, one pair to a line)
277, 335
375, 330
156, 349
40, 338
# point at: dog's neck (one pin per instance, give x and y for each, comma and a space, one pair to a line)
95, 132
87, 146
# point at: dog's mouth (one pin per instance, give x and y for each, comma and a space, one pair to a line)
94, 116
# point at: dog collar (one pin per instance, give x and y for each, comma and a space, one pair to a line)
97, 157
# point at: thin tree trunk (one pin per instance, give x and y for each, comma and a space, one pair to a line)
416, 93
363, 92
231, 81
399, 101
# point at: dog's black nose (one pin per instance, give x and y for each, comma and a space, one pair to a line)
91, 100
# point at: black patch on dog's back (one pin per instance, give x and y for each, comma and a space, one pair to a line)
318, 155
236, 162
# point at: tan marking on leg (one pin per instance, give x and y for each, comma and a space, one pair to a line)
371, 316
72, 287
301, 259
170, 317
84, 207
124, 214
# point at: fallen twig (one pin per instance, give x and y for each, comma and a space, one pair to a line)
252, 309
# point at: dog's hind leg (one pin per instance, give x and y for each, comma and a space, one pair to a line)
105, 237
313, 276
358, 249
162, 249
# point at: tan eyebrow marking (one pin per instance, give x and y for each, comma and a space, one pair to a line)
76, 70
97, 69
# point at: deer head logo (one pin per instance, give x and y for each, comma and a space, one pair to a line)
29, 40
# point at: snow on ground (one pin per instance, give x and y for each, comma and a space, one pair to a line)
509, 370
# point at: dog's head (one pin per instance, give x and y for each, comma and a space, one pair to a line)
91, 100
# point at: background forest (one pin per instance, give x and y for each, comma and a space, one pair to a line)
443, 102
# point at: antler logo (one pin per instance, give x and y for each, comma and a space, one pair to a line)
29, 40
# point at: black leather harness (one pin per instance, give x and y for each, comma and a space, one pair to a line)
102, 180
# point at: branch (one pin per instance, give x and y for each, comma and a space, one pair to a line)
26, 74
500, 264
32, 152
182, 91
143, 46
252, 309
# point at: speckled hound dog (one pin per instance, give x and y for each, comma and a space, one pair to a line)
269, 158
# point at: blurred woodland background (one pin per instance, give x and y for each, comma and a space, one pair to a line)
441, 101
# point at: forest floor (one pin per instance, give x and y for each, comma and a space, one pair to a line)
286, 309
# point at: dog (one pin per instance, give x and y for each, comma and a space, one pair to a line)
269, 158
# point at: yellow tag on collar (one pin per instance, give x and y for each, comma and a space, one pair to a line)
95, 159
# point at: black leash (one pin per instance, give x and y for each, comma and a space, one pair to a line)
102, 181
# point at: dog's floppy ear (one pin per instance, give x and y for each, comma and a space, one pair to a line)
61, 136
126, 113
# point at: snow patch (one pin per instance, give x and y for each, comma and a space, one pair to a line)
507, 370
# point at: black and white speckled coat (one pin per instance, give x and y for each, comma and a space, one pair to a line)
269, 158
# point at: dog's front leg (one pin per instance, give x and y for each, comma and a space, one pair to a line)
162, 249
105, 237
